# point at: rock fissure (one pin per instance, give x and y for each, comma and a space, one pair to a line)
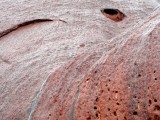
6, 32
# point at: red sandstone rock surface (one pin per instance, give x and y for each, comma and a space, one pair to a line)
81, 65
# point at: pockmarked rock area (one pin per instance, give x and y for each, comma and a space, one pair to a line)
65, 60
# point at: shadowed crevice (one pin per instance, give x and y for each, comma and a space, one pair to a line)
113, 14
110, 11
6, 32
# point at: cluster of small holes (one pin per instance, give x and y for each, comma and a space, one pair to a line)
95, 107
155, 77
135, 113
156, 117
49, 116
153, 104
157, 108
117, 103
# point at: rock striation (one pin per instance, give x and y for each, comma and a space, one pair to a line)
79, 65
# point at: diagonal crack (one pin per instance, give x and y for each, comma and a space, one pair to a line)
36, 99
74, 103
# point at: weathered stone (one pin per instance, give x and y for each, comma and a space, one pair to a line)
81, 65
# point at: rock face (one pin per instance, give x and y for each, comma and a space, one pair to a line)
81, 65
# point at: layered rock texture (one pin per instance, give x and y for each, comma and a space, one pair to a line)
64, 60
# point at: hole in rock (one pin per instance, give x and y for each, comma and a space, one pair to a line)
110, 11
97, 99
95, 107
135, 96
87, 80
135, 113
135, 63
114, 14
155, 100
102, 91
116, 91
96, 114
89, 118
155, 78
118, 104
115, 114
139, 75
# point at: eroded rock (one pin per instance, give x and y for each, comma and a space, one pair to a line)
86, 68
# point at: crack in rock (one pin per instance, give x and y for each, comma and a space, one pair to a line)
6, 32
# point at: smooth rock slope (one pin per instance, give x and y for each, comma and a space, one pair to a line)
81, 65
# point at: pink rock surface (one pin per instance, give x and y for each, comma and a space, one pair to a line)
85, 67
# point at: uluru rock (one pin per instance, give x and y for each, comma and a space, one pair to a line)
64, 60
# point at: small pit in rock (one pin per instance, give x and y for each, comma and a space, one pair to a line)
97, 115
82, 45
155, 100
115, 113
89, 118
135, 113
